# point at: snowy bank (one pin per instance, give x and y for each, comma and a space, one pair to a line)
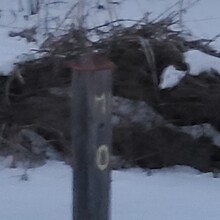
198, 63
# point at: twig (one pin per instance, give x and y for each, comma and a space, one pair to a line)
56, 2
112, 22
164, 12
181, 11
213, 39
66, 16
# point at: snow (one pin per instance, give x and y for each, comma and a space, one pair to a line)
200, 21
203, 19
131, 111
173, 193
170, 77
200, 130
198, 62
11, 48
201, 62
45, 196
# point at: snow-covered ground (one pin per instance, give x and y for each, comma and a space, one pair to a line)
198, 63
169, 194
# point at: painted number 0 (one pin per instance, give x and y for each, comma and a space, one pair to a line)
102, 157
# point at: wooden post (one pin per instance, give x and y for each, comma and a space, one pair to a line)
91, 118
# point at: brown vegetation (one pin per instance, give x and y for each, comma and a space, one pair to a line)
141, 52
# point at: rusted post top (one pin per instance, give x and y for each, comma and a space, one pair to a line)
91, 62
